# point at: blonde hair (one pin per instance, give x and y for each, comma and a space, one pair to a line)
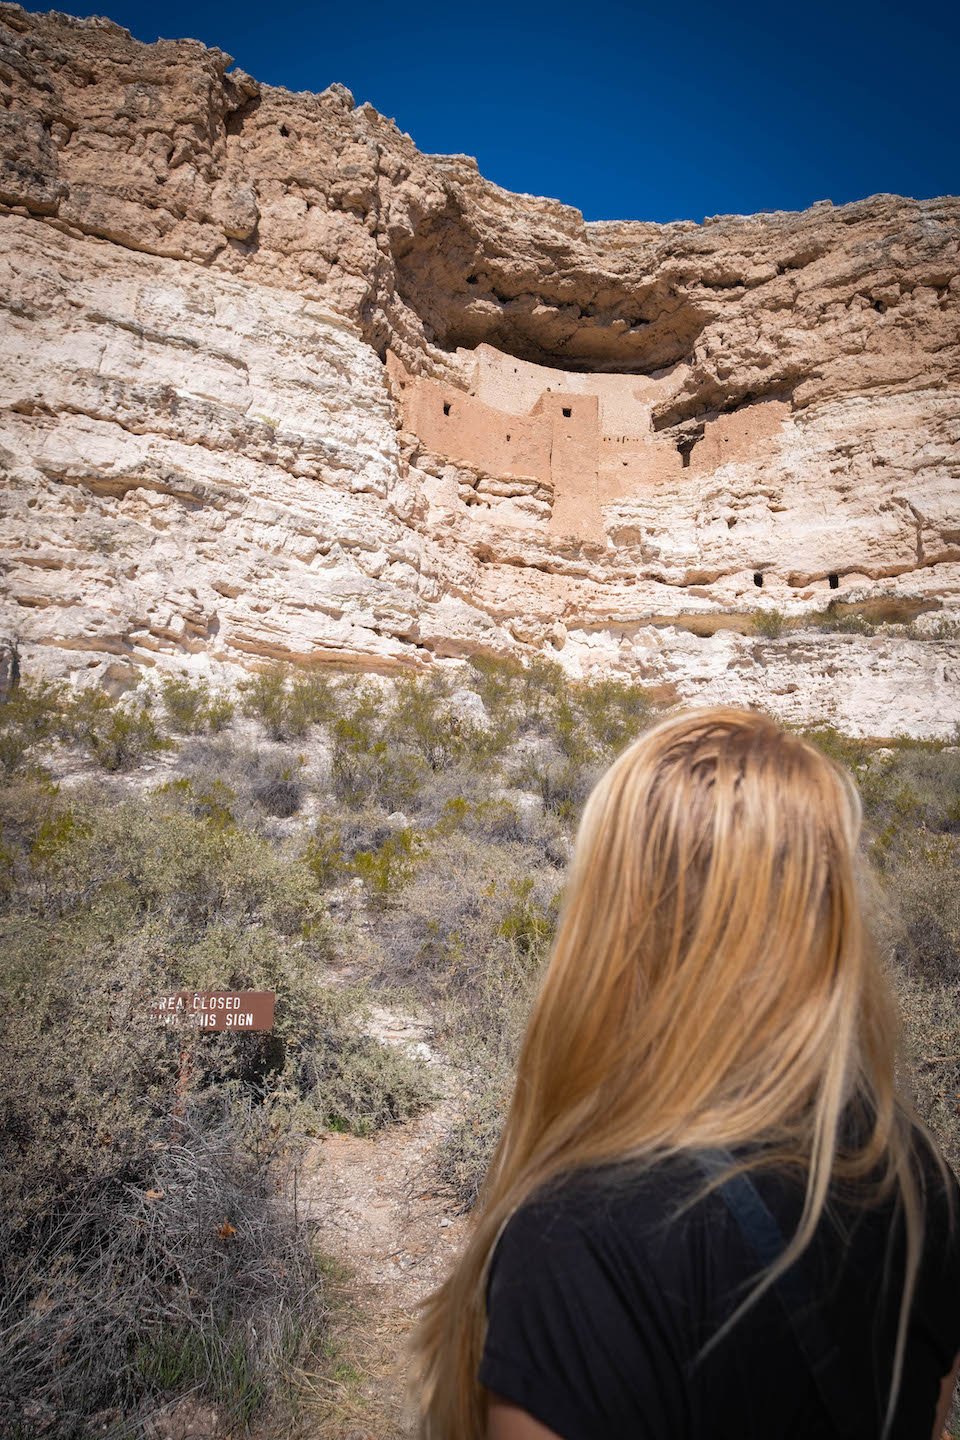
711, 985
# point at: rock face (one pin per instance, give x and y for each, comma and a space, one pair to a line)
276, 385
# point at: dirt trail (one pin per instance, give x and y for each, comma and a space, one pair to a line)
376, 1213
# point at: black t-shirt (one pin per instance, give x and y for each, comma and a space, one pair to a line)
600, 1301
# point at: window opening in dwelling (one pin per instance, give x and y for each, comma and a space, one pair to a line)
757, 579
685, 449
567, 412
833, 580
446, 407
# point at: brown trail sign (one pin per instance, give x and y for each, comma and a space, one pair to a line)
231, 1010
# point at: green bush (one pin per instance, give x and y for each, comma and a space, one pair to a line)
288, 703
117, 736
193, 709
464, 1152
212, 802
32, 713
324, 855
386, 869
353, 1081
837, 621
615, 712
769, 623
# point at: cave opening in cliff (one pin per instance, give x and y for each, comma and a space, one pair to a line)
465, 293
758, 579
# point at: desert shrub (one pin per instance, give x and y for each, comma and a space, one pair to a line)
914, 784
194, 709
921, 880
355, 1082
324, 853
464, 1152
483, 966
841, 622
264, 780
468, 919
386, 869
931, 1017
111, 905
287, 703
497, 681
940, 630
276, 784
769, 623
614, 711
419, 718
117, 736
495, 677
187, 1271
843, 749
563, 781
30, 714
372, 761
213, 801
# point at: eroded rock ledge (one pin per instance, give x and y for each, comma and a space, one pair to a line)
277, 385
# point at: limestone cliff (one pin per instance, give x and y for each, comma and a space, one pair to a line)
275, 384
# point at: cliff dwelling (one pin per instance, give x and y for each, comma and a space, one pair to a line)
587, 439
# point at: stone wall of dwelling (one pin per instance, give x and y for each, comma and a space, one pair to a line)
450, 421
517, 419
590, 437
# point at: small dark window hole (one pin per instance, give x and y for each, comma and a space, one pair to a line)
833, 581
472, 279
757, 579
508, 437
446, 407
284, 131
567, 412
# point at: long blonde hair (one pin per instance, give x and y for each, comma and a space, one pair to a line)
712, 984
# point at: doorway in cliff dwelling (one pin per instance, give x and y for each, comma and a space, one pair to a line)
833, 580
758, 579
446, 407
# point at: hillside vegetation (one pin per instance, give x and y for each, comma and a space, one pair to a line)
336, 840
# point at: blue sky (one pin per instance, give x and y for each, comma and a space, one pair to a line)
628, 111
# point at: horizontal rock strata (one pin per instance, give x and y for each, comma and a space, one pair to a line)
278, 386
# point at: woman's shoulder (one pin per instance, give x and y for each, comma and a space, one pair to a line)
625, 1215
671, 1213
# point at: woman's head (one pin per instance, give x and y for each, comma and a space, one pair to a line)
710, 971
711, 984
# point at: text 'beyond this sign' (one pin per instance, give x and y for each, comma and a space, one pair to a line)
216, 1009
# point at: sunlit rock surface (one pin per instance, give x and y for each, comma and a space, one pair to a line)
276, 385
